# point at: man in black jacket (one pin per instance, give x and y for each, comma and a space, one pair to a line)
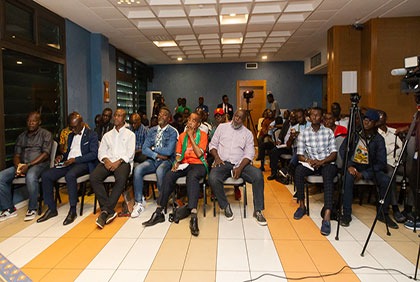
79, 159
227, 108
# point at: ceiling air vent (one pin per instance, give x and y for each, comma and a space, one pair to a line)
251, 66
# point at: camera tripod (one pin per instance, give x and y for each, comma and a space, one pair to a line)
416, 117
249, 121
350, 143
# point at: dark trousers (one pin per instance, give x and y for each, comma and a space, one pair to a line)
250, 174
275, 154
97, 177
382, 180
194, 173
70, 173
328, 172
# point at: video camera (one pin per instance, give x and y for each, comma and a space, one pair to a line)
411, 71
248, 94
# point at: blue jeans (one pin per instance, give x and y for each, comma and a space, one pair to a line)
250, 174
147, 167
32, 184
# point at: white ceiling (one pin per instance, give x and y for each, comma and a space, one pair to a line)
284, 30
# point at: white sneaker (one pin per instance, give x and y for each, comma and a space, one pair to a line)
137, 209
30, 214
6, 214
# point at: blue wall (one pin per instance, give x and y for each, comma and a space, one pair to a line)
290, 86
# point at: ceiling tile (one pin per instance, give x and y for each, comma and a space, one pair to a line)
234, 1
208, 36
185, 37
188, 43
281, 33
231, 55
124, 23
253, 45
207, 21
96, 3
108, 13
186, 48
193, 52
195, 56
257, 19
212, 52
300, 6
231, 46
203, 11
225, 51
197, 2
177, 53
254, 40
292, 17
210, 41
147, 24
275, 39
268, 50
211, 47
235, 9
268, 8
250, 50
138, 13
248, 55
213, 56
176, 23
256, 34
273, 45
163, 2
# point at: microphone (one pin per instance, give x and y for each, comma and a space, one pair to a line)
397, 72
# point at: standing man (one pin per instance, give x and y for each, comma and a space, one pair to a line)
274, 105
116, 154
140, 131
201, 105
106, 124
159, 148
232, 147
80, 158
367, 160
227, 108
190, 152
317, 151
31, 159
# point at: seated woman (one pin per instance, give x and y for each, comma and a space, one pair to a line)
265, 141
190, 161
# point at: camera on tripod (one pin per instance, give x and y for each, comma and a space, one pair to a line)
410, 83
248, 94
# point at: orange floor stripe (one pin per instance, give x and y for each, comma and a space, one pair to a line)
302, 250
71, 254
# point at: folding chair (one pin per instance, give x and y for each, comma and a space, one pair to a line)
230, 181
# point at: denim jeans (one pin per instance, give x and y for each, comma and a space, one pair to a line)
32, 184
250, 174
147, 167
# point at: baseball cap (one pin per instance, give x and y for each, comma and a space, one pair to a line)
372, 115
219, 111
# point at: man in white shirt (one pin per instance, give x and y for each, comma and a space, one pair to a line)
116, 154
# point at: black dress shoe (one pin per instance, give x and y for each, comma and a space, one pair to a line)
272, 177
47, 215
399, 217
194, 225
157, 217
389, 221
71, 216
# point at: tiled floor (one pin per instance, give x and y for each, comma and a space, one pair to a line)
237, 250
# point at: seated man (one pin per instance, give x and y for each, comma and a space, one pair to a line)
106, 124
232, 147
140, 131
80, 158
316, 150
31, 159
190, 152
329, 122
366, 162
159, 148
116, 154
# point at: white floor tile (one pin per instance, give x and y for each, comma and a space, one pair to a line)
157, 231
232, 276
31, 249
129, 275
268, 276
255, 231
231, 229
262, 256
11, 244
131, 229
112, 254
232, 255
377, 277
141, 255
36, 229
93, 275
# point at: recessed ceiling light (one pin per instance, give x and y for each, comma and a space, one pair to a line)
167, 43
264, 57
233, 19
179, 59
228, 40
19, 62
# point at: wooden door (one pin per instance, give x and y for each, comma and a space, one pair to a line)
256, 105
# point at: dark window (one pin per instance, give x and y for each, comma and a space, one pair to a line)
19, 22
49, 34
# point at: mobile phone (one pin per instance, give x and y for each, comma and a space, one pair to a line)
231, 172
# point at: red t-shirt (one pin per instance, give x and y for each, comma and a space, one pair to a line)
340, 131
189, 156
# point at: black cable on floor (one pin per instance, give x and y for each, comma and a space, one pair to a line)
331, 274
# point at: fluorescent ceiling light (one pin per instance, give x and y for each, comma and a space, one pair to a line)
167, 43
19, 62
264, 57
233, 19
179, 59
237, 40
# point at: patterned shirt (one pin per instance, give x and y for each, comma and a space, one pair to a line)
140, 136
316, 145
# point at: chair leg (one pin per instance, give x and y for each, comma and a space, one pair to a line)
307, 198
82, 201
245, 200
57, 193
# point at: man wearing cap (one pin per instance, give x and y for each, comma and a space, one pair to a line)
201, 105
367, 160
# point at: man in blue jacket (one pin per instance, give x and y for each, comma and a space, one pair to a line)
367, 160
159, 148
79, 159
